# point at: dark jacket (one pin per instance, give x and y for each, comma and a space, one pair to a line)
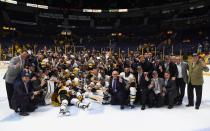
172, 69
157, 68
147, 67
20, 95
120, 86
142, 83
171, 86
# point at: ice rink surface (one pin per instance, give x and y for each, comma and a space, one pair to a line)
108, 118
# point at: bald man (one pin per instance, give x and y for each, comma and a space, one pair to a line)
117, 90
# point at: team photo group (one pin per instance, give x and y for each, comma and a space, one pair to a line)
130, 80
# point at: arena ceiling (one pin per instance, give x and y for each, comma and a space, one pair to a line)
150, 19
102, 4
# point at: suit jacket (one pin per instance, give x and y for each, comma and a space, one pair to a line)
161, 83
147, 67
142, 84
12, 71
196, 73
120, 86
156, 67
172, 69
20, 94
171, 86
37, 64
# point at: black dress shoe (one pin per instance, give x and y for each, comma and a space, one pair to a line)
197, 107
122, 107
32, 109
150, 106
143, 108
189, 105
170, 107
17, 110
23, 114
179, 103
132, 106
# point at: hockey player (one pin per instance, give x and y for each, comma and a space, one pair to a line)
130, 81
132, 96
67, 96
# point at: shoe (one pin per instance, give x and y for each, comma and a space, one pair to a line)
17, 110
179, 103
143, 108
122, 107
84, 107
150, 106
132, 106
170, 107
105, 103
23, 114
157, 106
62, 113
189, 105
31, 109
197, 107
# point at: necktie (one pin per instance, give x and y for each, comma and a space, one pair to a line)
156, 83
26, 87
114, 85
167, 66
21, 62
166, 82
139, 78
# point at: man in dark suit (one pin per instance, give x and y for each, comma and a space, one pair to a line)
146, 65
23, 95
182, 78
37, 61
170, 66
117, 90
171, 91
142, 82
158, 66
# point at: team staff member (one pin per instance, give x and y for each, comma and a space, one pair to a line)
196, 68
16, 65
